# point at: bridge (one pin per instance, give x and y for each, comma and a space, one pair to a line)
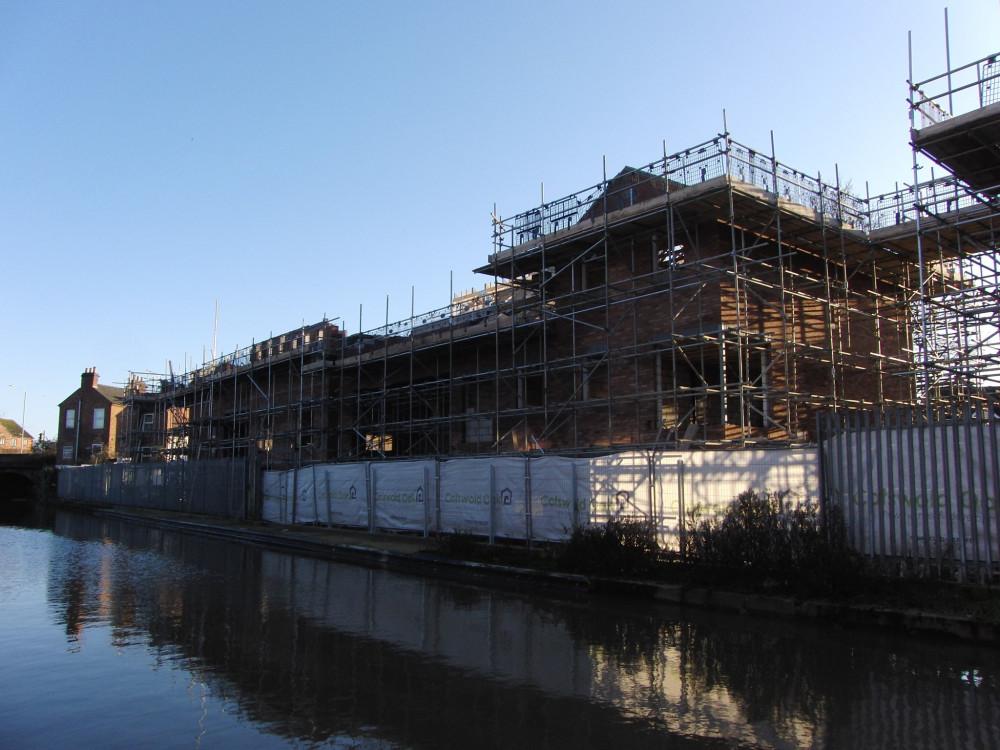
21, 483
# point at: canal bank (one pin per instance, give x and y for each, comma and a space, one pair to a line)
414, 554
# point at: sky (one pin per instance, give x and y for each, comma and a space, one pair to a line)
283, 162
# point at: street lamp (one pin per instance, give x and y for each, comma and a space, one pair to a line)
24, 404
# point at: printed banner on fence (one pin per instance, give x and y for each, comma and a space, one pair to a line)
466, 496
510, 508
488, 496
553, 496
343, 490
275, 497
306, 508
399, 494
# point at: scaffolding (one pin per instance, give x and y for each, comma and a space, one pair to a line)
711, 298
955, 122
269, 401
714, 297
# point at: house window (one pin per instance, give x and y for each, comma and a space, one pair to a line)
530, 391
13, 442
593, 273
478, 429
147, 421
3, 441
99, 419
595, 382
379, 443
70, 419
96, 448
689, 387
67, 451
667, 257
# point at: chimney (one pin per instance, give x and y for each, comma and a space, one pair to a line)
89, 378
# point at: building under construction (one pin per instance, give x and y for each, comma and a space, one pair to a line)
715, 297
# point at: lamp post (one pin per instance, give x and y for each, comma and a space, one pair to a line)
24, 404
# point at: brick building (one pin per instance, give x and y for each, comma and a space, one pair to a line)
271, 399
13, 438
713, 298
88, 422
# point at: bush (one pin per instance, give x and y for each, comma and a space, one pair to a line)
619, 547
762, 540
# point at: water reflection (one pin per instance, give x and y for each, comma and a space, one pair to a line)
315, 650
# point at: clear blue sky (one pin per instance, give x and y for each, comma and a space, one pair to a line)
292, 160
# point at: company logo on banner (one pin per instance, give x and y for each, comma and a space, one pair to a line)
506, 496
415, 497
350, 494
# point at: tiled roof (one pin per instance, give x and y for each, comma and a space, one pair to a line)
13, 428
110, 392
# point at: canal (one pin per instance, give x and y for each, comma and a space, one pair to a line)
116, 635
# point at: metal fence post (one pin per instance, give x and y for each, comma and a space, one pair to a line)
492, 505
681, 521
370, 481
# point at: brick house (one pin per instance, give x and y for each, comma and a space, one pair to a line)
88, 421
13, 438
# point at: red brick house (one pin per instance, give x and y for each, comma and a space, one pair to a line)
13, 438
88, 421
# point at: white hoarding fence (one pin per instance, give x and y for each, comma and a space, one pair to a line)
465, 496
619, 485
534, 498
344, 489
557, 505
399, 495
274, 495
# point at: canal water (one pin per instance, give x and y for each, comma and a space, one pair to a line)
115, 635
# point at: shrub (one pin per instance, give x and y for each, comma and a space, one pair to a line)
765, 539
618, 547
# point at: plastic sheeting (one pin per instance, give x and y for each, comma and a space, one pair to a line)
538, 498
274, 493
399, 495
490, 497
344, 489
